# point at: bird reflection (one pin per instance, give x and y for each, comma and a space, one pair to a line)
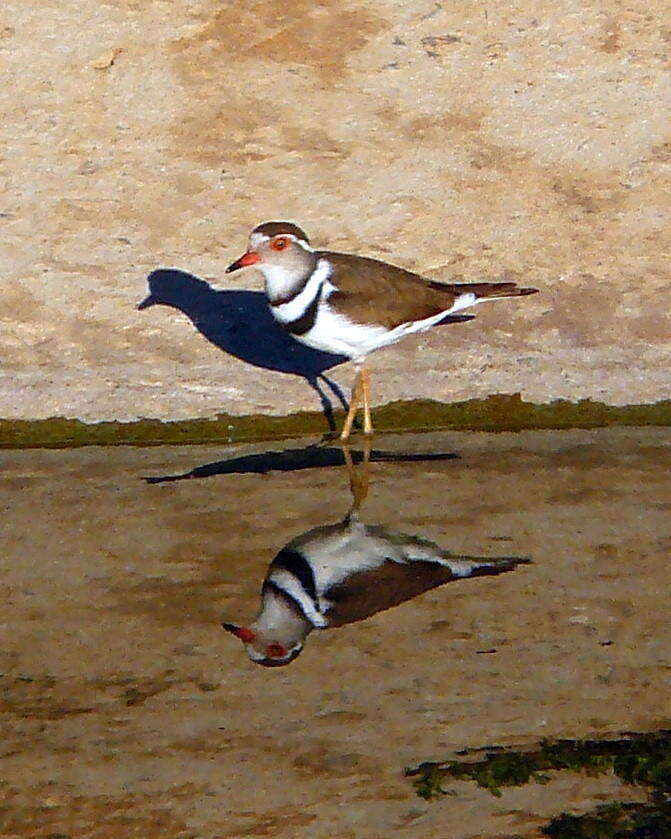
341, 573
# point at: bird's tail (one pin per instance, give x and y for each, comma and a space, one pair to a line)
480, 566
484, 291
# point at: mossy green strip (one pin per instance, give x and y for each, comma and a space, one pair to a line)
643, 759
639, 759
615, 821
496, 413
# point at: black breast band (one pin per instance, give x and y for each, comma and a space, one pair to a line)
307, 320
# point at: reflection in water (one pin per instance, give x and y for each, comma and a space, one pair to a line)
341, 573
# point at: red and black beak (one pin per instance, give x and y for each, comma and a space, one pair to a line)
242, 632
249, 258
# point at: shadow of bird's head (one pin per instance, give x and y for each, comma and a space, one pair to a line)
172, 287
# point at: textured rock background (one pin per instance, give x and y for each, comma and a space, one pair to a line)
528, 140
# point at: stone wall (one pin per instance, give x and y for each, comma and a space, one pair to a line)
528, 141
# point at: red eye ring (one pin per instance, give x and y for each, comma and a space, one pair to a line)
279, 244
276, 650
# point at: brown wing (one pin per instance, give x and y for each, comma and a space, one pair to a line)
388, 585
370, 291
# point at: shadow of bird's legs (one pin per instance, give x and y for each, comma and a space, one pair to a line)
327, 407
335, 390
359, 478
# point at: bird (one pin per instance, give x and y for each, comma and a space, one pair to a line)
341, 573
352, 305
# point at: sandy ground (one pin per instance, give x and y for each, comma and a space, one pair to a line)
127, 711
526, 141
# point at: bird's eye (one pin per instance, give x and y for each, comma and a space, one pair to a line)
276, 650
279, 244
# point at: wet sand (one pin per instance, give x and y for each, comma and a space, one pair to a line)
127, 711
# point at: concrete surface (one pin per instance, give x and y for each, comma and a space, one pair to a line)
521, 140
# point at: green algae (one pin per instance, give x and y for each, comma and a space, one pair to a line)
615, 821
58, 432
637, 759
509, 412
496, 413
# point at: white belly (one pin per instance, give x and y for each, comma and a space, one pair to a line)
335, 333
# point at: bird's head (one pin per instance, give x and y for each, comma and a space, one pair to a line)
263, 648
277, 247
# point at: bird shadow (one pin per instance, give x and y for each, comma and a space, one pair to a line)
240, 323
314, 456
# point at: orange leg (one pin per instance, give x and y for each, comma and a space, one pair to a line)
359, 479
355, 401
365, 382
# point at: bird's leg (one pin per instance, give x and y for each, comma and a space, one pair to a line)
365, 469
365, 386
354, 402
347, 454
359, 479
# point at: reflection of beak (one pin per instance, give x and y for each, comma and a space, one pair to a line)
242, 632
249, 258
148, 301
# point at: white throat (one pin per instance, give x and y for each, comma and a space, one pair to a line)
278, 620
280, 282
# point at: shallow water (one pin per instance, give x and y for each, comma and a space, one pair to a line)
127, 709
